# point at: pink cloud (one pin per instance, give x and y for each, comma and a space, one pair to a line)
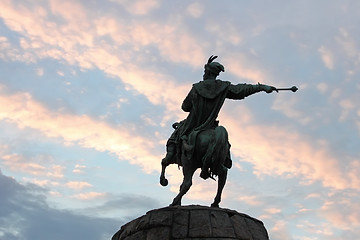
327, 57
202, 190
287, 105
77, 184
251, 200
228, 33
21, 109
326, 230
273, 210
33, 165
280, 231
342, 210
79, 169
88, 195
195, 9
240, 67
139, 7
275, 150
290, 154
73, 39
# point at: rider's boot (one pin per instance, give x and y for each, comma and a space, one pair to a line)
205, 173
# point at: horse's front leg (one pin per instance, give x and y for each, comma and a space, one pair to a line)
168, 159
221, 183
163, 181
185, 186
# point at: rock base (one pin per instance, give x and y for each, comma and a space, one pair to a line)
192, 222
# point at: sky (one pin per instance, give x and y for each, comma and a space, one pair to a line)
89, 91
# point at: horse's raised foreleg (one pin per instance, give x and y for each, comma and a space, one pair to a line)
221, 183
163, 180
168, 159
185, 186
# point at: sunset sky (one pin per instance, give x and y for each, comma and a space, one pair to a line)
89, 91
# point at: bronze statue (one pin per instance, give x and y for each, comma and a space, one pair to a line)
198, 141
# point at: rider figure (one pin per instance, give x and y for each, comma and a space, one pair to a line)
203, 103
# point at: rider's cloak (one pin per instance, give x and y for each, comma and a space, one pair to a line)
203, 103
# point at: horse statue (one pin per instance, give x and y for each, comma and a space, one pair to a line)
198, 141
212, 146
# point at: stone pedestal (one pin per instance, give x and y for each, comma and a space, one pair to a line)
192, 222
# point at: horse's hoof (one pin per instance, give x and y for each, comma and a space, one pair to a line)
163, 181
174, 204
214, 205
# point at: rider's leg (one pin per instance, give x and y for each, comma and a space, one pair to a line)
170, 155
205, 173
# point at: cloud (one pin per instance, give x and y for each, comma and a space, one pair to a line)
347, 105
12, 53
39, 72
226, 33
280, 231
289, 106
342, 210
322, 87
71, 11
152, 49
323, 230
42, 182
128, 206
25, 112
195, 9
313, 195
41, 165
88, 195
73, 41
25, 215
344, 51
275, 150
79, 169
327, 57
348, 44
250, 200
273, 210
77, 184
139, 7
240, 67
126, 202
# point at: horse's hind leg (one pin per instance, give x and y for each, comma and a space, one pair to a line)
185, 186
221, 183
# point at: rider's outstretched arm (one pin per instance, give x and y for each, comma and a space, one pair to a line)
240, 91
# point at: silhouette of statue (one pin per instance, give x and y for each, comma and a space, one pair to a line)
198, 141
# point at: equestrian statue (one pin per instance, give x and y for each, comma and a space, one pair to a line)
199, 141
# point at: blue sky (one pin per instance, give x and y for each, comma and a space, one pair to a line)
89, 91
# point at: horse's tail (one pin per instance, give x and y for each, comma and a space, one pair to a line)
217, 150
222, 144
